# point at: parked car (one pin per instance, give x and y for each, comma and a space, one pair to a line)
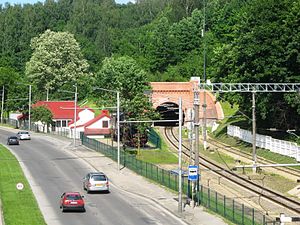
12, 140
95, 181
23, 135
72, 201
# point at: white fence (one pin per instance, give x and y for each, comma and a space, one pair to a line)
286, 148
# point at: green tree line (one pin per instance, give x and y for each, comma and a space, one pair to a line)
245, 40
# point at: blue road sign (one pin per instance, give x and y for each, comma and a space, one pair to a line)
193, 173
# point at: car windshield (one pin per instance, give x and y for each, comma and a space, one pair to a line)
24, 132
73, 197
13, 138
99, 178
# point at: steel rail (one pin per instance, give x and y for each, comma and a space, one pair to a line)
238, 152
268, 194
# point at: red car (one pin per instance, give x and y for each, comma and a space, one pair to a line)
72, 201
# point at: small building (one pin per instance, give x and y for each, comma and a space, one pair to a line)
98, 127
63, 120
63, 113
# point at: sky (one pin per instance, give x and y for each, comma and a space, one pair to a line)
35, 1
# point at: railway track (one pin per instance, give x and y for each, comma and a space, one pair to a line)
287, 170
286, 202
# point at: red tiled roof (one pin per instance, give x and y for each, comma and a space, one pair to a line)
94, 131
60, 109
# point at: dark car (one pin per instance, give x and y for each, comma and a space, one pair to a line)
12, 140
72, 201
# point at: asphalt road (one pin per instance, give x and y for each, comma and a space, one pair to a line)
51, 171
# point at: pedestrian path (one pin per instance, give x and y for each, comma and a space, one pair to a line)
129, 181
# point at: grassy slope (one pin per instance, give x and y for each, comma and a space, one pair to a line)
19, 207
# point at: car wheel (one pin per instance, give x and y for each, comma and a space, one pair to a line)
83, 209
84, 188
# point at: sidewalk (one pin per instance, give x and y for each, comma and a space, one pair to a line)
142, 187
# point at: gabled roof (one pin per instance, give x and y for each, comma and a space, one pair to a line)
60, 109
104, 113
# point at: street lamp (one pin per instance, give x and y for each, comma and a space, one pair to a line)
75, 111
118, 120
2, 103
29, 106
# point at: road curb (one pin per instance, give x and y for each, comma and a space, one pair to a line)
1, 214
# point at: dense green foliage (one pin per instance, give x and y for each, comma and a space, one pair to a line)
245, 40
42, 114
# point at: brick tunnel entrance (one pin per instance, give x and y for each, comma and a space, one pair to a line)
169, 111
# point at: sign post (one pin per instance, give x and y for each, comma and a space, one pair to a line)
193, 173
193, 176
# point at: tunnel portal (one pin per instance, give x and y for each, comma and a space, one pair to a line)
169, 111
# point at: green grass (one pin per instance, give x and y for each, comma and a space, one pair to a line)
19, 207
157, 157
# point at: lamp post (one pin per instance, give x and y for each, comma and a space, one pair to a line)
2, 103
29, 107
75, 112
118, 121
179, 158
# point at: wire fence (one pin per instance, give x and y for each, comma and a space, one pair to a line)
214, 201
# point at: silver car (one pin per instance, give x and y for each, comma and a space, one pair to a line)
23, 135
96, 181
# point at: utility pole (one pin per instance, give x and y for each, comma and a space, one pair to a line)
179, 158
204, 78
29, 107
2, 104
118, 128
253, 133
75, 115
191, 136
196, 126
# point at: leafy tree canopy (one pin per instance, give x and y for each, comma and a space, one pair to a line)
42, 114
56, 61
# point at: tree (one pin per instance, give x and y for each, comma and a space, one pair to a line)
15, 95
42, 114
124, 75
56, 61
263, 48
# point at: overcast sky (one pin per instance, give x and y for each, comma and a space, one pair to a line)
34, 1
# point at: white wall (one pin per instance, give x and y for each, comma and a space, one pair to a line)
98, 124
287, 148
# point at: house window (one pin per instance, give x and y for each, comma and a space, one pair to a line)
58, 123
105, 124
64, 123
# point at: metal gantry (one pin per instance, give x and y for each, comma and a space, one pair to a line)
250, 87
253, 88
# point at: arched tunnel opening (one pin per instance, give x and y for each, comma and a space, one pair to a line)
169, 111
